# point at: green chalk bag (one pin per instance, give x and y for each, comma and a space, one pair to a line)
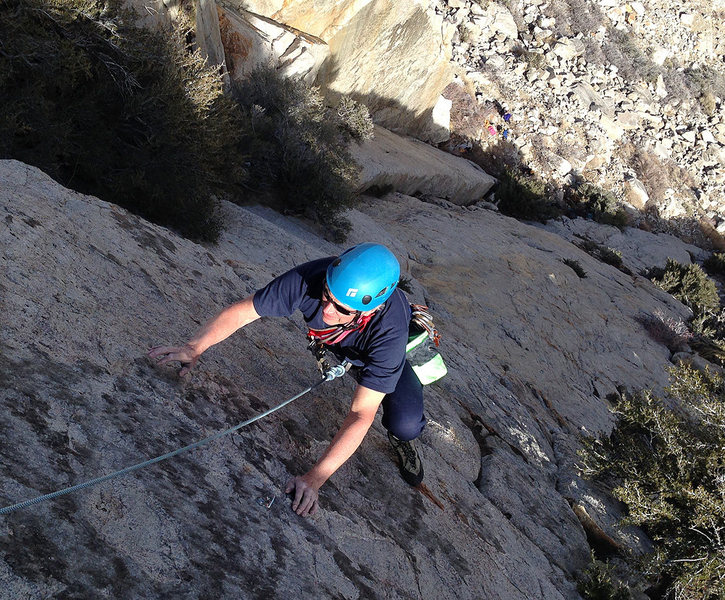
422, 348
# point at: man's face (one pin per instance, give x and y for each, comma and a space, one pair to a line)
333, 311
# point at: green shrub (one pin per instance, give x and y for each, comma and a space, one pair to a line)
665, 460
116, 111
522, 195
575, 266
709, 339
715, 263
598, 582
298, 148
592, 202
603, 253
689, 284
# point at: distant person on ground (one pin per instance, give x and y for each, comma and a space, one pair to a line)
354, 309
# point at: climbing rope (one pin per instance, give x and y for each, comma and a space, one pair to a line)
329, 375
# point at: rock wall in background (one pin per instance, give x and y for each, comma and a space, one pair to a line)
392, 56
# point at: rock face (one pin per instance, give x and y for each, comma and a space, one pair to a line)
640, 250
532, 350
251, 41
209, 33
389, 55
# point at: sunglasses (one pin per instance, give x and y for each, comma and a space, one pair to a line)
327, 297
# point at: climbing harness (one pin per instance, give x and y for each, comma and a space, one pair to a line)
330, 374
421, 349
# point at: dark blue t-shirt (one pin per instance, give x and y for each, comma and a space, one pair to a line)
379, 348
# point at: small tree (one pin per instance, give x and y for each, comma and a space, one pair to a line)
523, 195
689, 284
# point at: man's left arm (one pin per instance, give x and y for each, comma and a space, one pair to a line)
365, 403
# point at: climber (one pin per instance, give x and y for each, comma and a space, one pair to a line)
353, 308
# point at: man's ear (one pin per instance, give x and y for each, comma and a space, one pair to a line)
369, 312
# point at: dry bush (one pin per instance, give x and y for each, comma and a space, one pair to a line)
468, 117
621, 50
575, 16
355, 119
657, 175
706, 84
672, 332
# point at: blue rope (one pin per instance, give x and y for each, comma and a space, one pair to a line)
331, 374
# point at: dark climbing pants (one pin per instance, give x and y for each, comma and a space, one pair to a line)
403, 408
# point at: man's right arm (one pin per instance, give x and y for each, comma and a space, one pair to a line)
219, 328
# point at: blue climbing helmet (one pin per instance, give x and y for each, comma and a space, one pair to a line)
364, 276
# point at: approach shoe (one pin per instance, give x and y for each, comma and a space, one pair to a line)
409, 464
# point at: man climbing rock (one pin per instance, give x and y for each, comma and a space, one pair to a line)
354, 309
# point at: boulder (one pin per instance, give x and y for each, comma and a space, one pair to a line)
629, 120
391, 161
497, 19
611, 127
660, 55
591, 100
636, 194
442, 119
660, 88
557, 165
640, 249
568, 48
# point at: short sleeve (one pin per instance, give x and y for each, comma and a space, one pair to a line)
281, 296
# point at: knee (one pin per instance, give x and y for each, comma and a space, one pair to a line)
405, 429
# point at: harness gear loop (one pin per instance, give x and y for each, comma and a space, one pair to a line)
329, 375
424, 319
